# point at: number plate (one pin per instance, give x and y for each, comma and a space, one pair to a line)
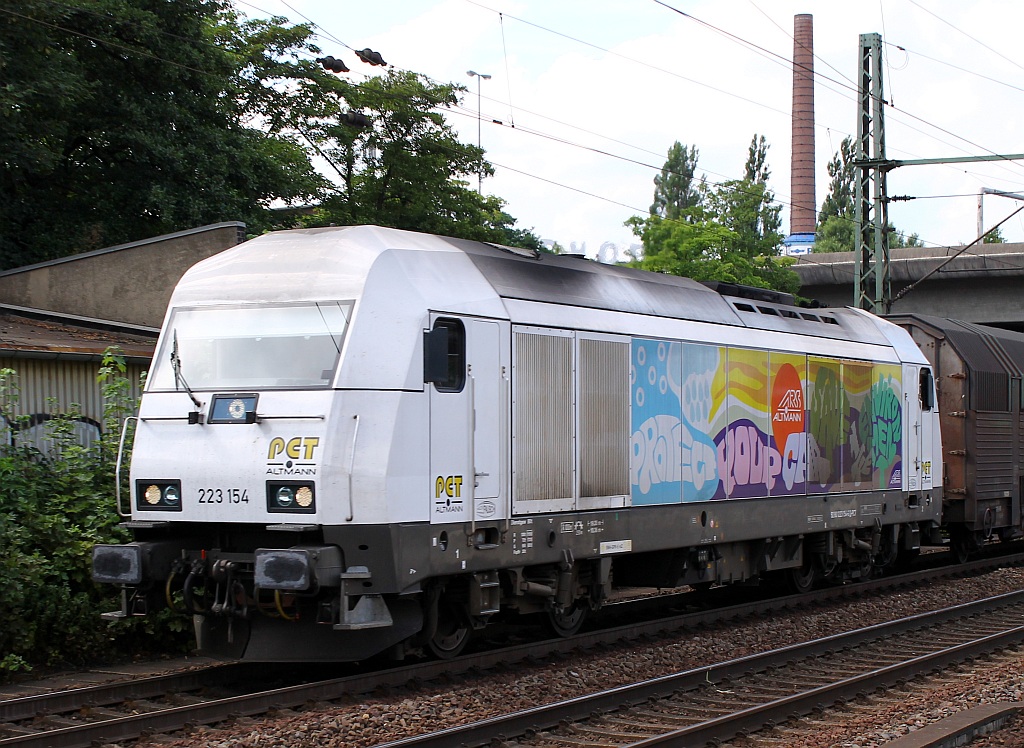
223, 496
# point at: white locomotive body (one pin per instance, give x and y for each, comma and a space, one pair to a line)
362, 439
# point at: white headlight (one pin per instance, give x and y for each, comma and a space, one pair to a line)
285, 496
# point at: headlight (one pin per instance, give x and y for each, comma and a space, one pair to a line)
158, 495
291, 496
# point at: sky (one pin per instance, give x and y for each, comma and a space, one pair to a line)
586, 97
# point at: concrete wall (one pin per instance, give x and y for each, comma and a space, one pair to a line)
129, 283
984, 284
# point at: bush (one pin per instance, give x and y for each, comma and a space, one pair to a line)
53, 508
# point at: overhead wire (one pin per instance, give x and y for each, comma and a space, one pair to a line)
761, 50
538, 133
326, 34
749, 44
817, 57
959, 30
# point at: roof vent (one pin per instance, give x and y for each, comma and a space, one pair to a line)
751, 292
533, 254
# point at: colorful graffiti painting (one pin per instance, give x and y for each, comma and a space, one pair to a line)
672, 457
710, 422
887, 429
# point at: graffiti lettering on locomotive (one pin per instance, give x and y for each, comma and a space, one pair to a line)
448, 494
283, 456
715, 422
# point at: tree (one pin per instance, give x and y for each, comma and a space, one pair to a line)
839, 200
702, 250
125, 122
995, 236
747, 206
756, 169
148, 117
837, 220
406, 168
732, 236
675, 195
898, 240
835, 234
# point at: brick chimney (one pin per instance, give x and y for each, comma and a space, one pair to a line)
804, 210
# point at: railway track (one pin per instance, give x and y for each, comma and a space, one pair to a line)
721, 701
127, 710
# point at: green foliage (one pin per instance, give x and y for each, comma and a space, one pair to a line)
675, 195
836, 234
139, 118
53, 508
837, 220
897, 239
731, 234
128, 115
995, 236
703, 251
839, 200
407, 169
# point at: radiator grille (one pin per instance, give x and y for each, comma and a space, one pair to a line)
543, 417
604, 418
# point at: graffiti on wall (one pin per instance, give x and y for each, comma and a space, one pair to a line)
32, 431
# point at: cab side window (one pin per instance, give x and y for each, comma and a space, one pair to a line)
444, 355
926, 389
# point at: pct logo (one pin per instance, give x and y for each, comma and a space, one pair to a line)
448, 494
292, 457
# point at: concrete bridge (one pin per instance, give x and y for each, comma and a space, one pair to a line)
984, 284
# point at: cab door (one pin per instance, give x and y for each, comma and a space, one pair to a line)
468, 418
919, 396
930, 458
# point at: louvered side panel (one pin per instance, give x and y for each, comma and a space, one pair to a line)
992, 454
543, 418
604, 418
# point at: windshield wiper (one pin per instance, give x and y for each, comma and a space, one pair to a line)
179, 378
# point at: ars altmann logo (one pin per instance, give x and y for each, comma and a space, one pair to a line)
787, 405
790, 408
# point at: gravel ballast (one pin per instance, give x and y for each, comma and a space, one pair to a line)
404, 713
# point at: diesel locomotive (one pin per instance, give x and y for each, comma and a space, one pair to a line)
362, 440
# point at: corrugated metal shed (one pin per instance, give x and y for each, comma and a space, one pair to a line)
56, 359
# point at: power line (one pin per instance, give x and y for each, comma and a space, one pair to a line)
961, 31
632, 59
955, 67
358, 86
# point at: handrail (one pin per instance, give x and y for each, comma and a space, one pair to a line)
505, 450
351, 467
471, 447
117, 467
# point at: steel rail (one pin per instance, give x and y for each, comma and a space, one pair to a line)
81, 736
616, 699
104, 694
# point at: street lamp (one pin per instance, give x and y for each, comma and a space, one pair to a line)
479, 77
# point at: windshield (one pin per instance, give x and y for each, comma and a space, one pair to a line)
245, 348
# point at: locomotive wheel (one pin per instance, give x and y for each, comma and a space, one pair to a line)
453, 632
569, 620
801, 579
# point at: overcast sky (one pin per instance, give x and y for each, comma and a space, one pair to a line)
598, 90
